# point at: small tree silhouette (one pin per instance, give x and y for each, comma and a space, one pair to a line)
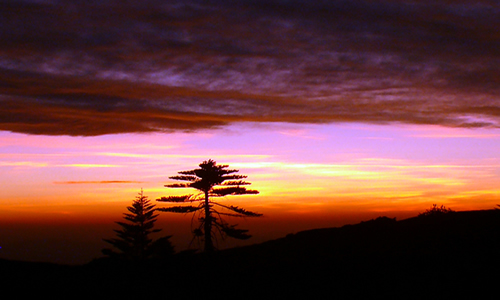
133, 240
436, 211
212, 181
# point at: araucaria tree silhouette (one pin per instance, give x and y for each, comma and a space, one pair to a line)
212, 181
133, 240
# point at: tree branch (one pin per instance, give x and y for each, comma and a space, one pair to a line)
178, 185
241, 211
185, 198
185, 178
236, 182
180, 209
231, 177
236, 190
232, 231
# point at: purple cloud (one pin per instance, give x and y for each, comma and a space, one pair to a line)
101, 67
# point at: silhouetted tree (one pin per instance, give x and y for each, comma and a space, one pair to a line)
133, 240
212, 181
435, 211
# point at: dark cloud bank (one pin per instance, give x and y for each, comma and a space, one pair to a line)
101, 67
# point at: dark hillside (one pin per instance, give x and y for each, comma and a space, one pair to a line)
451, 254
432, 253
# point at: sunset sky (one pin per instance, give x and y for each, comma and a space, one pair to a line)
338, 112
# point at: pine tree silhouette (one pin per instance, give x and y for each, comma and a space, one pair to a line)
212, 181
133, 241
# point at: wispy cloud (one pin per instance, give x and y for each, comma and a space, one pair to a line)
100, 67
97, 182
163, 156
23, 164
87, 166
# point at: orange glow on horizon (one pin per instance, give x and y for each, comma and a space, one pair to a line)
304, 182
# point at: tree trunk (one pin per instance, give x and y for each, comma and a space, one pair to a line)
209, 246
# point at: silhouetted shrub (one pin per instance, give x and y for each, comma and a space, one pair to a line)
436, 211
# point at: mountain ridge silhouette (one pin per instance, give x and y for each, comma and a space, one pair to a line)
382, 256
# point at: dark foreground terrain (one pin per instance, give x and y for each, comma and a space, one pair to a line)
448, 255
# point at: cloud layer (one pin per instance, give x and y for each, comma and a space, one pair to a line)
100, 67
